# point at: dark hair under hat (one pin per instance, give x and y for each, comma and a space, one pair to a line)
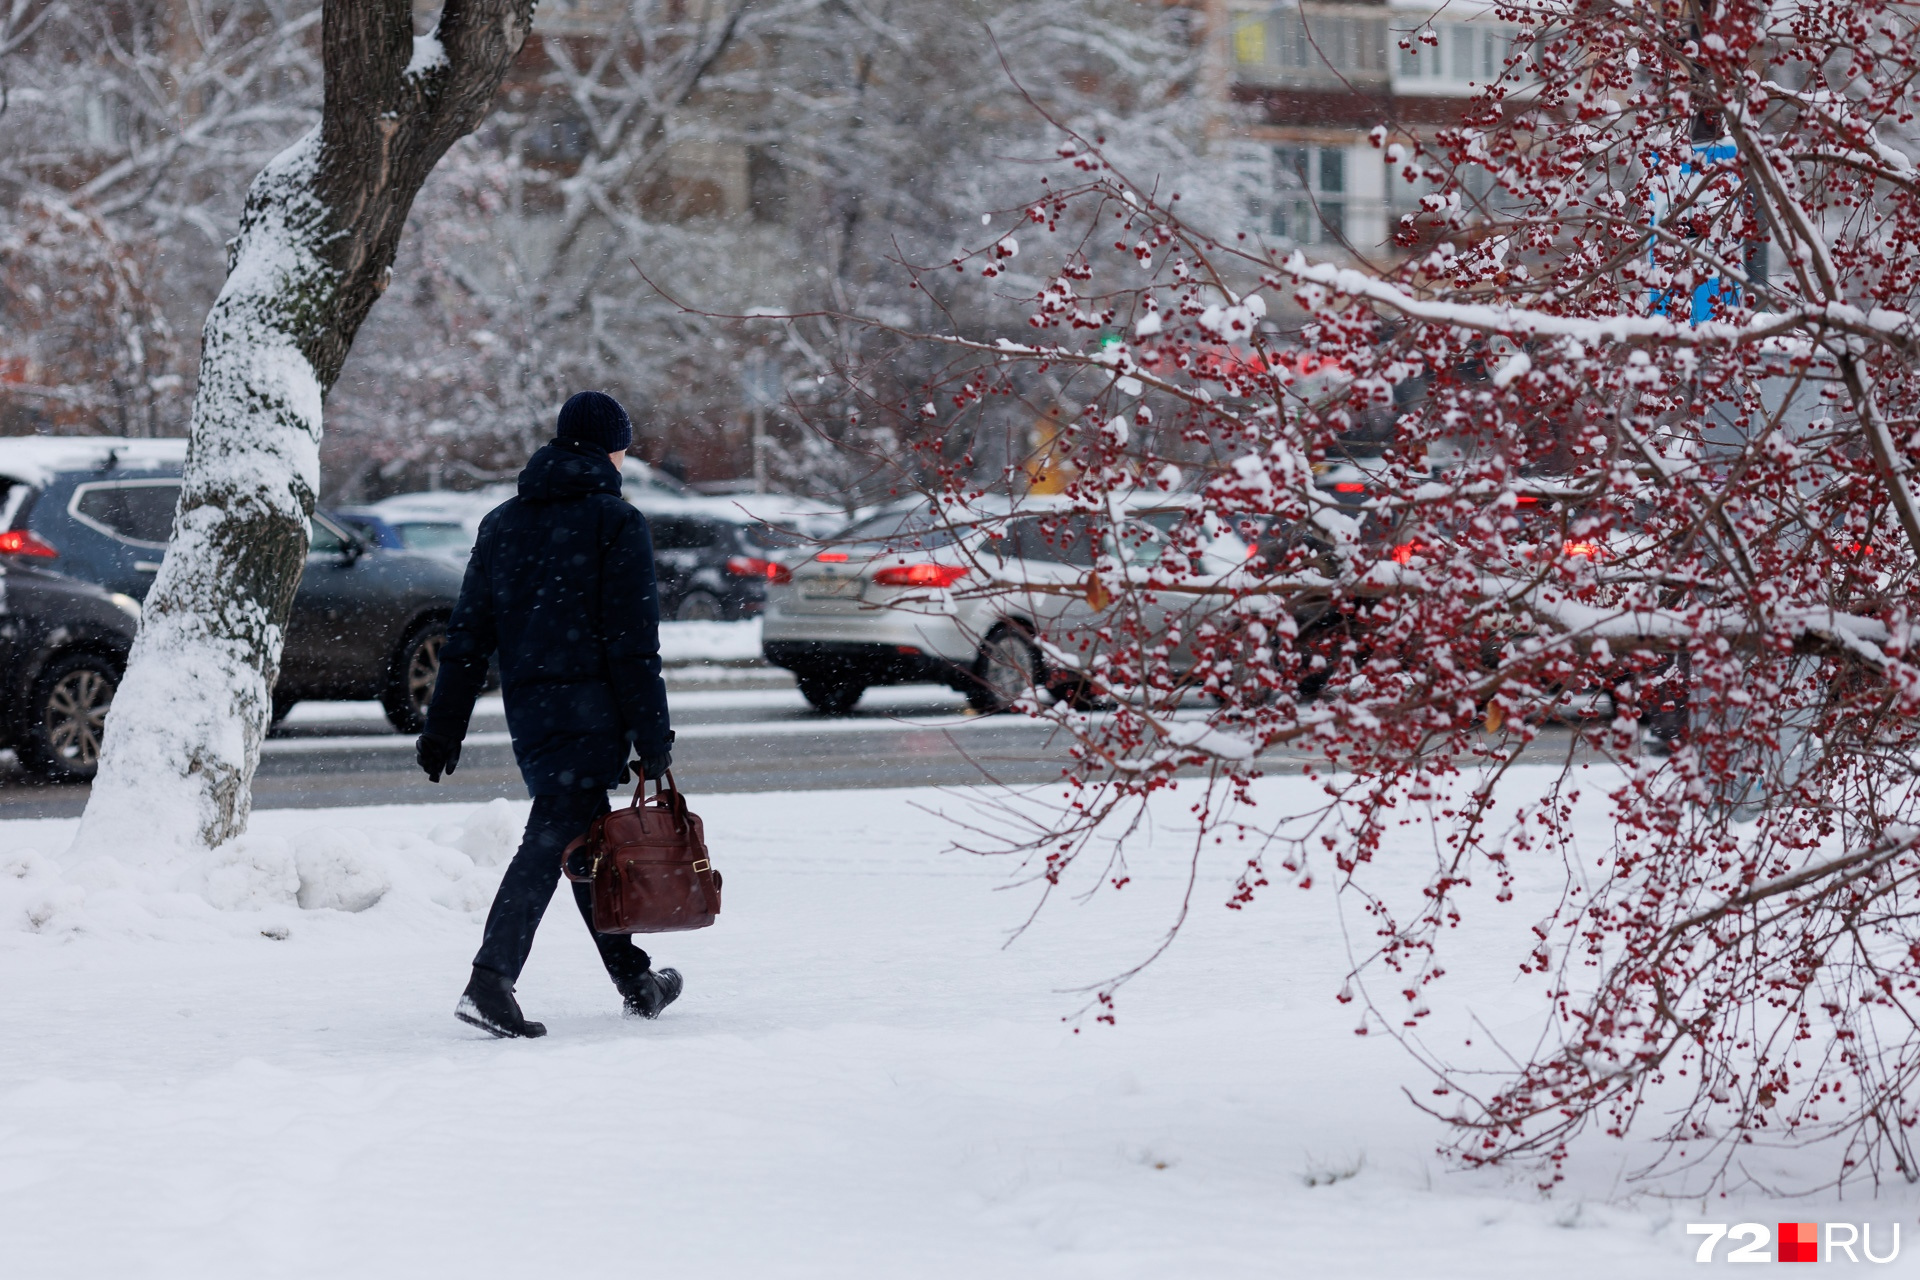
595, 418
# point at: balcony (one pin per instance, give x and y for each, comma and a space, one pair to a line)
1312, 46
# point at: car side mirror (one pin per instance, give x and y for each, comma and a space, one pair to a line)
351, 549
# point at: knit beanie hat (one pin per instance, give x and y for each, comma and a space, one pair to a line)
595, 418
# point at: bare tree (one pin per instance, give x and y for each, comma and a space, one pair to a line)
314, 252
136, 127
783, 155
88, 347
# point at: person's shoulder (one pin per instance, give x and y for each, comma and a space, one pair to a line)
501, 514
617, 510
508, 514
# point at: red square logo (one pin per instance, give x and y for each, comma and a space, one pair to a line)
1799, 1242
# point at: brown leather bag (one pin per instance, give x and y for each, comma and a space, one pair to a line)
647, 865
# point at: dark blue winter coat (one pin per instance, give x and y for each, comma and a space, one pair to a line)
561, 584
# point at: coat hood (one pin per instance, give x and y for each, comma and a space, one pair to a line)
566, 469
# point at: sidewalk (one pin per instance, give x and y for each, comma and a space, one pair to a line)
863, 1079
716, 655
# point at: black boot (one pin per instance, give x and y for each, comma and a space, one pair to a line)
488, 1004
644, 991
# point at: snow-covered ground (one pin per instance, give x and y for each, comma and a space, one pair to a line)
862, 1079
696, 642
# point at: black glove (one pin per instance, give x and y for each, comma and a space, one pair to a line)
437, 754
654, 768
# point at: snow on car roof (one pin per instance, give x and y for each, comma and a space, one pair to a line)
441, 505
781, 510
36, 460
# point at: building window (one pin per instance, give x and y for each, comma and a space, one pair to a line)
1308, 204
1317, 44
1250, 42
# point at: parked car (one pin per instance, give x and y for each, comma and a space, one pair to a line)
439, 523
63, 649
712, 569
366, 622
370, 528
880, 605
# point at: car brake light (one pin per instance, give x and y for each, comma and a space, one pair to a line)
832, 557
18, 542
1406, 551
920, 575
1349, 488
1587, 550
755, 567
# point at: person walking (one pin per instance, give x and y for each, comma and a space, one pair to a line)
561, 586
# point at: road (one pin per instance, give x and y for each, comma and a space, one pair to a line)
755, 739
328, 754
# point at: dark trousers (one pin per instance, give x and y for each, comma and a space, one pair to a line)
528, 887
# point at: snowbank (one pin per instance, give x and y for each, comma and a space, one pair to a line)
863, 1078
697, 642
290, 863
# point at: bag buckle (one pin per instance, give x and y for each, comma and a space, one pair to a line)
702, 865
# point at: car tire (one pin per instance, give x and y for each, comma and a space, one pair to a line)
831, 696
1264, 696
1006, 669
1076, 694
699, 606
66, 717
410, 682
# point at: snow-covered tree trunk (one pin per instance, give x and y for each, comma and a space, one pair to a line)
314, 251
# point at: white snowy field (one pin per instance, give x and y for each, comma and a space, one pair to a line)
860, 1081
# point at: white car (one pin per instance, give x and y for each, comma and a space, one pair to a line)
444, 522
992, 603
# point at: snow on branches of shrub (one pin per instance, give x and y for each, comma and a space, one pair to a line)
1630, 435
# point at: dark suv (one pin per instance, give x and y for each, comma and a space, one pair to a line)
366, 623
63, 647
712, 569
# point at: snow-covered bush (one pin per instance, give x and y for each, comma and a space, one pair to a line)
1625, 418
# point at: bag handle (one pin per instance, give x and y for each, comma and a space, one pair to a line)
675, 802
660, 787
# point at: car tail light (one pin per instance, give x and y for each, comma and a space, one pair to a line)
1406, 551
18, 542
920, 575
832, 557
1349, 488
755, 567
1582, 548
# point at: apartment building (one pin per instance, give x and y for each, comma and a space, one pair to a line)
1302, 84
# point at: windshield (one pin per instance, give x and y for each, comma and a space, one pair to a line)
920, 527
767, 538
433, 537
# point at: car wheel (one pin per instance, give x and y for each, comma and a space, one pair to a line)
67, 717
699, 606
830, 696
1254, 696
1006, 670
1077, 694
410, 684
